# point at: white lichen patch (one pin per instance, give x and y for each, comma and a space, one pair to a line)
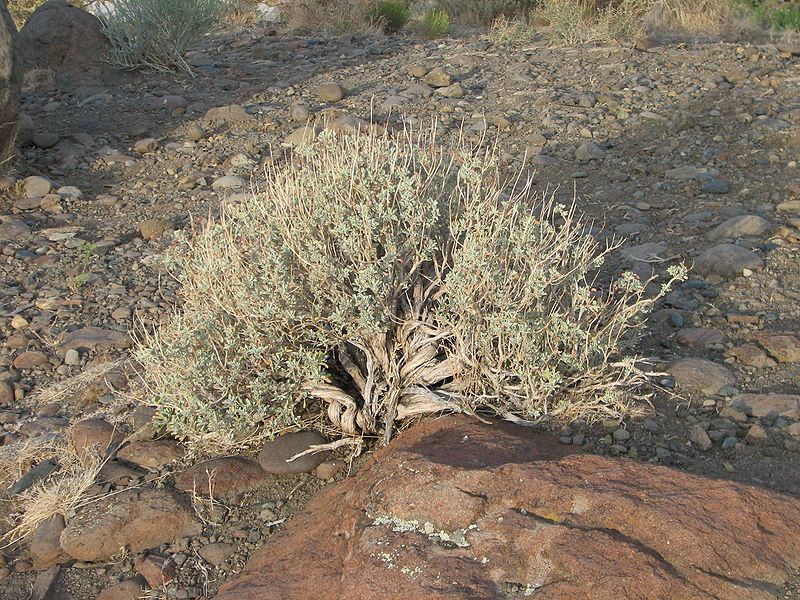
398, 525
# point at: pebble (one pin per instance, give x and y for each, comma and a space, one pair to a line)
699, 438
331, 92
590, 151
705, 376
438, 78
727, 261
741, 226
228, 182
36, 187
44, 139
713, 186
145, 146
274, 454
72, 357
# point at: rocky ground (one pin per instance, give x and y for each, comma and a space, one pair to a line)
687, 151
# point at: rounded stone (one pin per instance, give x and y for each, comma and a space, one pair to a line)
36, 186
274, 454
145, 146
330, 92
227, 182
44, 139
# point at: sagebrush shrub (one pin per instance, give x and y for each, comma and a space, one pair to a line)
436, 23
384, 278
156, 34
391, 15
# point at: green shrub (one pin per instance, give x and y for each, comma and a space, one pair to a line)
782, 16
381, 279
392, 15
436, 23
156, 34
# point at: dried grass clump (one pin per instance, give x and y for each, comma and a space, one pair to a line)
20, 10
507, 31
568, 19
581, 21
333, 16
68, 488
242, 13
155, 34
386, 278
485, 11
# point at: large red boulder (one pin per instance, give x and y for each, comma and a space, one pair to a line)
457, 509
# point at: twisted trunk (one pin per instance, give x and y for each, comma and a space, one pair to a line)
404, 374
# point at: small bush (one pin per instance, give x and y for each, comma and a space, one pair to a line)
569, 19
786, 18
156, 34
436, 23
622, 21
779, 15
485, 11
333, 16
382, 279
391, 15
510, 32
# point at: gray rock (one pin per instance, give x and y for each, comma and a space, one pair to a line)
714, 186
699, 438
228, 182
589, 150
14, 231
69, 42
36, 186
10, 81
33, 476
438, 77
274, 454
767, 405
742, 226
728, 261
621, 435
44, 139
704, 376
330, 92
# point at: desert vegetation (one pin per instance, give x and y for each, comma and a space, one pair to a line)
573, 21
157, 33
385, 279
246, 244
